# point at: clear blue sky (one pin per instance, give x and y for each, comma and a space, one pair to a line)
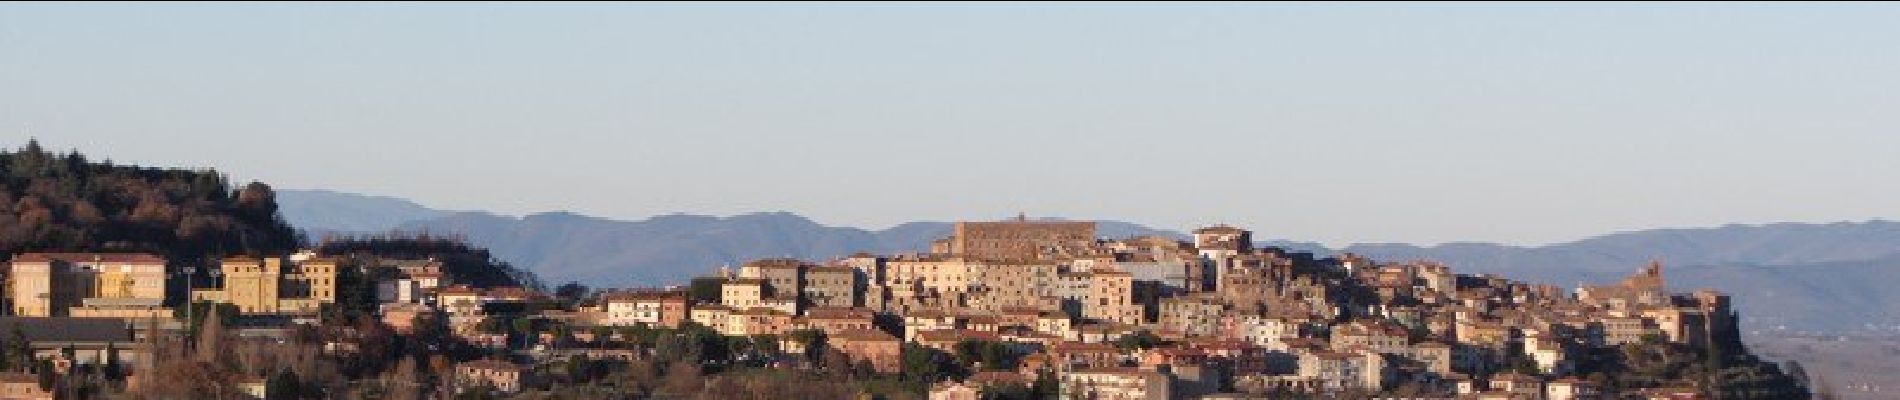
1339, 123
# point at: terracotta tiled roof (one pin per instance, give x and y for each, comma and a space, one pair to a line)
993, 377
982, 320
1030, 336
1124, 371
1079, 347
759, 311
627, 296
931, 313
863, 335
838, 313
954, 335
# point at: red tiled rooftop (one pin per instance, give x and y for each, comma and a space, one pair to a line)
863, 335
1079, 347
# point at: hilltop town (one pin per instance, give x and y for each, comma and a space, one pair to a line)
1006, 309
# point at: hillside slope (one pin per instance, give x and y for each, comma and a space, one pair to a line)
66, 202
320, 211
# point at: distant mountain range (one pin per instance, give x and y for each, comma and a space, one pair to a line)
1799, 276
330, 211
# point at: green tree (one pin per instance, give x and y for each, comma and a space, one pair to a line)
766, 346
19, 350
47, 376
644, 336
6, 355
693, 343
926, 365
1139, 340
705, 290
525, 328
1046, 386
1799, 373
812, 340
571, 293
990, 355
493, 326
1010, 391
742, 348
284, 385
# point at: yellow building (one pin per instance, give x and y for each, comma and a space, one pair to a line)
927, 282
87, 284
299, 284
16, 385
743, 293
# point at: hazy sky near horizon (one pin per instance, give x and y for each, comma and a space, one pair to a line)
1340, 123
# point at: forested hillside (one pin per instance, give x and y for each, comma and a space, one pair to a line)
467, 264
66, 202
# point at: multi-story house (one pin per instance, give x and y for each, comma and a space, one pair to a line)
656, 309
1111, 298
299, 284
1195, 314
1115, 384
832, 286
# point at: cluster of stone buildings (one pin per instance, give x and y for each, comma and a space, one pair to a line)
1236, 318
1231, 319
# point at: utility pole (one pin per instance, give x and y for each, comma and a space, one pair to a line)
190, 324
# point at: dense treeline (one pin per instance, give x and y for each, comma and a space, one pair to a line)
68, 203
65, 202
345, 357
467, 264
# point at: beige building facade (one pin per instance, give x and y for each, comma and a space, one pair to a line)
1021, 239
298, 284
86, 284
